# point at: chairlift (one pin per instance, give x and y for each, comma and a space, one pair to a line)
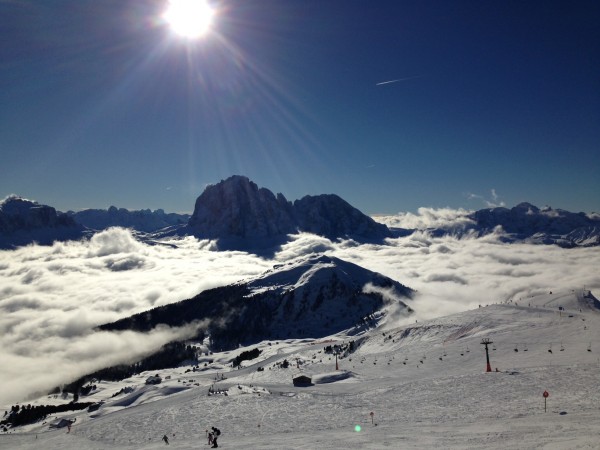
550, 349
516, 347
562, 348
525, 349
589, 349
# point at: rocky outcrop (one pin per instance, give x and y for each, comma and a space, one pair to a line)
333, 217
23, 222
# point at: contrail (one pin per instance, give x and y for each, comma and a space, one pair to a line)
399, 79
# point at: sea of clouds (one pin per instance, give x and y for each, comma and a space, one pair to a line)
52, 297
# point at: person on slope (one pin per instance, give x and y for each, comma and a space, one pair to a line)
216, 433
166, 439
210, 437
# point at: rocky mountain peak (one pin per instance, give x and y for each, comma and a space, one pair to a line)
237, 207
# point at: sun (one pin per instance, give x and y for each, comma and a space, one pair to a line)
189, 18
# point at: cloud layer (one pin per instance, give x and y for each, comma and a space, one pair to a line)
444, 218
52, 297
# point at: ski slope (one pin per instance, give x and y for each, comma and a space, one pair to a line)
424, 382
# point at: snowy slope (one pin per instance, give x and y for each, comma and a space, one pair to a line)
425, 384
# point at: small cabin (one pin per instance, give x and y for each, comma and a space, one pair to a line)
154, 379
95, 407
302, 381
61, 423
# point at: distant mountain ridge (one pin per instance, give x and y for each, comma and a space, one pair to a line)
234, 211
310, 297
143, 220
524, 223
240, 215
528, 223
546, 225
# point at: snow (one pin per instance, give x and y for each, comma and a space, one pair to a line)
425, 383
317, 269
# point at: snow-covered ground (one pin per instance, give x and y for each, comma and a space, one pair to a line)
424, 382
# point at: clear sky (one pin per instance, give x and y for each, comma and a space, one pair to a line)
101, 103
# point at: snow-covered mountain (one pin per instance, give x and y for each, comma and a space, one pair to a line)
144, 220
523, 223
528, 222
24, 221
419, 385
240, 215
306, 298
237, 208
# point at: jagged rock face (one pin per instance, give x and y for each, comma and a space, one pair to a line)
23, 221
19, 214
310, 297
236, 207
331, 216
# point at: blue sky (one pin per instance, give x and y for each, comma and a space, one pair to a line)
101, 104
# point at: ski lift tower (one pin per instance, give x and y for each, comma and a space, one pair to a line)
486, 342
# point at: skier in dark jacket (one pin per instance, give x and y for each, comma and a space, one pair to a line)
166, 439
216, 433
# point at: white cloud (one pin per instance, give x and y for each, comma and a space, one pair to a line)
453, 274
54, 360
52, 297
489, 203
444, 218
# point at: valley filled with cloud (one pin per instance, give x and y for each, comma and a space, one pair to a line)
52, 297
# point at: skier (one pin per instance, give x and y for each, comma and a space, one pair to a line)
216, 433
210, 437
166, 439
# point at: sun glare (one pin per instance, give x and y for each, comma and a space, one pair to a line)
189, 18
